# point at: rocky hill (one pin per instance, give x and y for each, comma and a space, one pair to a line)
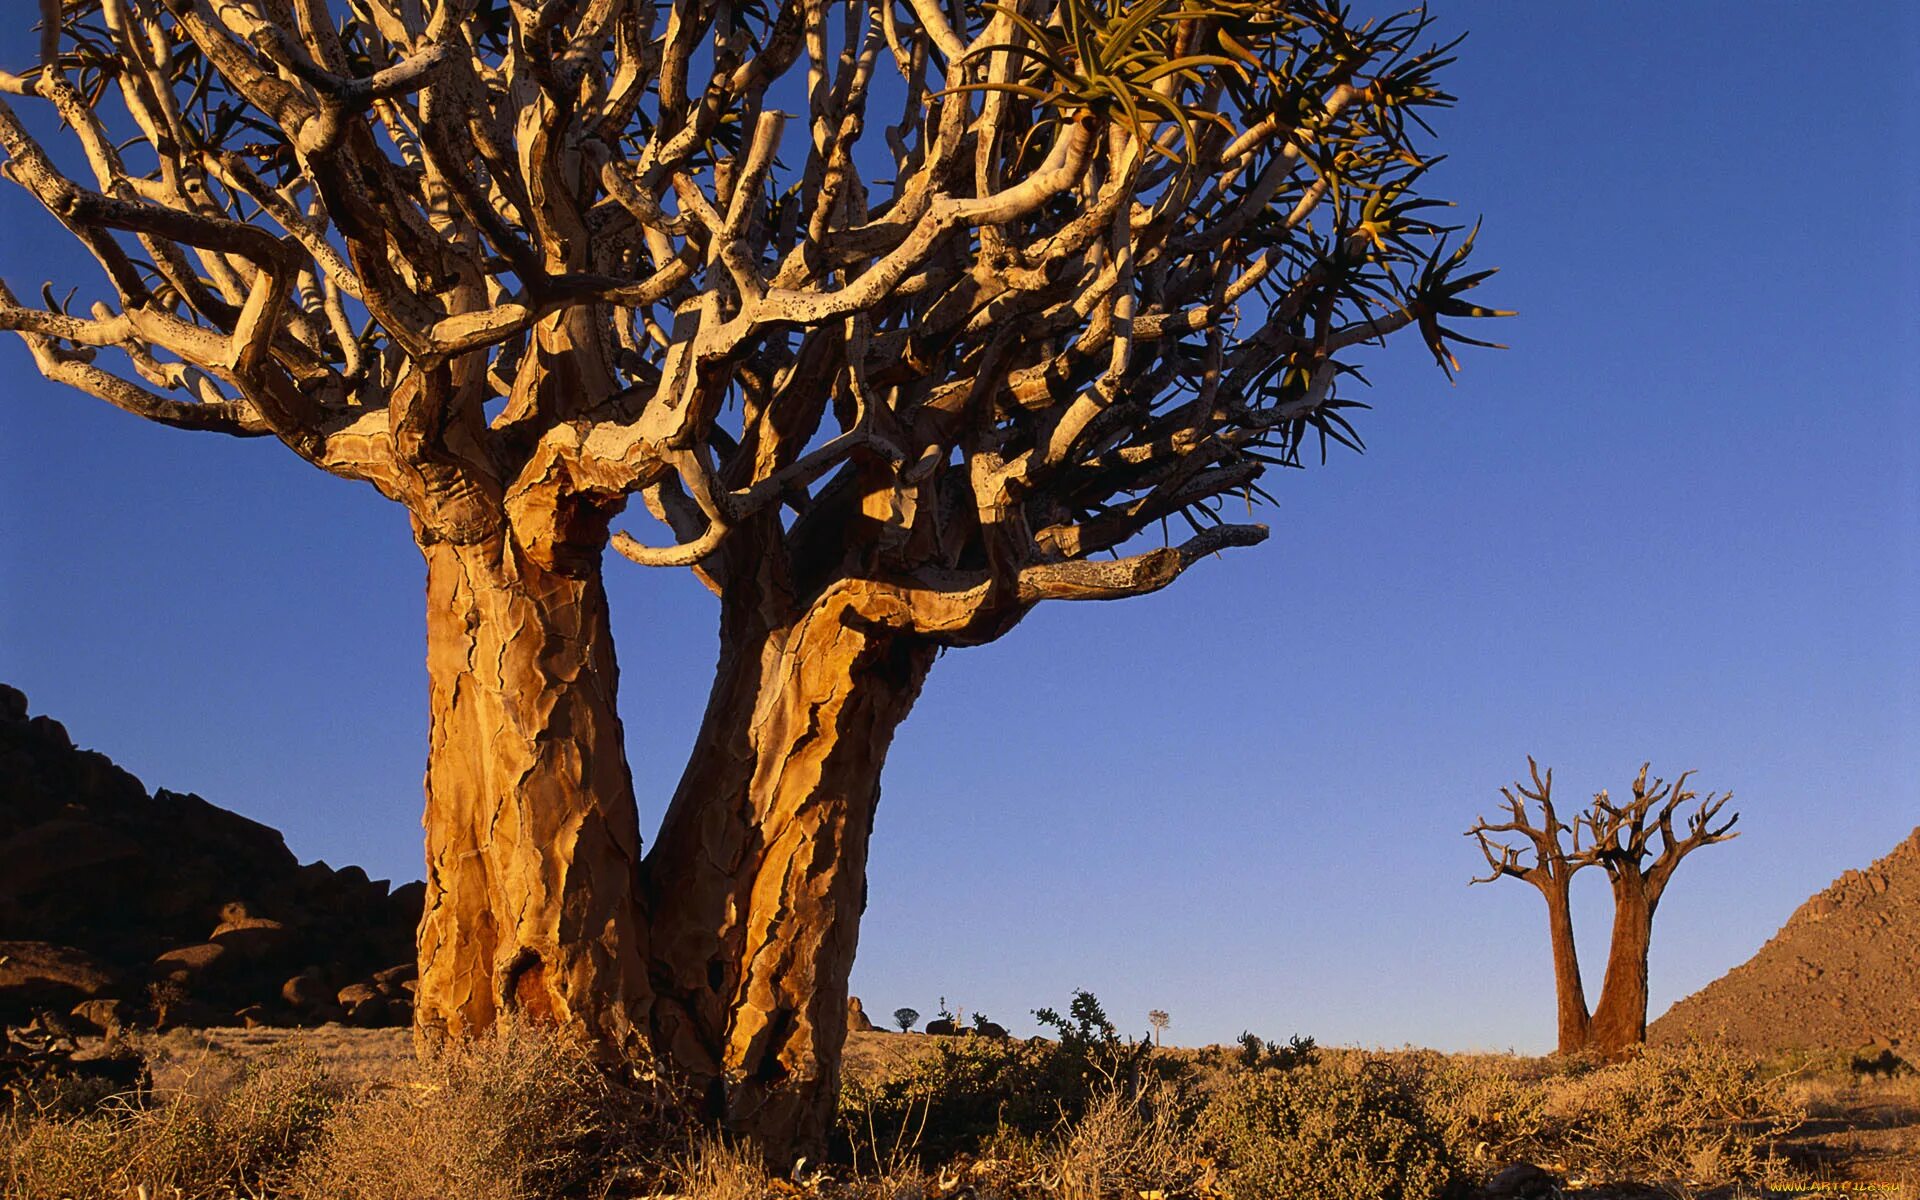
122, 907
1842, 974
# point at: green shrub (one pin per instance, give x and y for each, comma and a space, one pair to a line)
1347, 1129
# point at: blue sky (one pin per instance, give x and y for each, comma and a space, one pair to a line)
1679, 519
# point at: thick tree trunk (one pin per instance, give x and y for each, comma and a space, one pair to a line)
1569, 992
1620, 1018
532, 835
758, 878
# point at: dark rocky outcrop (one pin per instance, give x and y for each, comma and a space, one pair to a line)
1840, 975
177, 909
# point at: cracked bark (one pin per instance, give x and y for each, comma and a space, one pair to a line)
758, 879
532, 835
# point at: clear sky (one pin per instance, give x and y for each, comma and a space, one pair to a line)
1679, 519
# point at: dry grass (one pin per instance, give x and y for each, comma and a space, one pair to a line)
209, 1061
182, 1145
519, 1115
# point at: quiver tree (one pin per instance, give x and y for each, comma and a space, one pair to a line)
1620, 839
1548, 860
1017, 288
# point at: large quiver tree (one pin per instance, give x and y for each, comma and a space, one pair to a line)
1018, 287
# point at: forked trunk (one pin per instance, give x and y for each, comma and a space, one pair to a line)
1620, 1017
758, 879
1569, 992
532, 837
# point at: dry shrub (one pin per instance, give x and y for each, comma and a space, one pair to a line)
1345, 1128
1490, 1110
970, 1093
520, 1114
1847, 1094
1126, 1147
1677, 1118
179, 1145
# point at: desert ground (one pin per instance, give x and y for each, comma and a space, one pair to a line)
339, 1111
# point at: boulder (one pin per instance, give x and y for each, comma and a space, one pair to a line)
306, 990
1522, 1181
108, 1016
254, 939
191, 964
408, 902
395, 981
259, 1016
857, 1019
355, 994
372, 1013
942, 1027
36, 976
174, 1011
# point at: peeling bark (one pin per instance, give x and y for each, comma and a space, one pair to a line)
758, 879
531, 829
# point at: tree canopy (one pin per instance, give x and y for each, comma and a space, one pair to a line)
1013, 285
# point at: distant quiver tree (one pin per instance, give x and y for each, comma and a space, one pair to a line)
905, 1018
1639, 845
898, 317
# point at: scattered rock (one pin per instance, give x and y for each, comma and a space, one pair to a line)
942, 1027
1838, 976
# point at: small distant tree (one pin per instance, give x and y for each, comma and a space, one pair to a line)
905, 1018
1619, 839
1159, 1019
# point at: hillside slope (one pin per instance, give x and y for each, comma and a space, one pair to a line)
1842, 974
